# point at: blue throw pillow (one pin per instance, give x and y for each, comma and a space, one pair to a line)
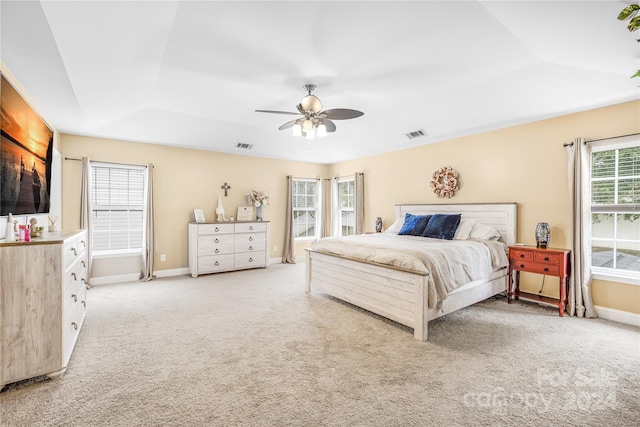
414, 225
442, 226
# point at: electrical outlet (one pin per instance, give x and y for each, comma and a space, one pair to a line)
163, 257
275, 248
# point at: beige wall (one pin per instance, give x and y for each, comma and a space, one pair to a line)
185, 179
525, 164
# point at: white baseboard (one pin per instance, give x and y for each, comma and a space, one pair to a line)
618, 315
107, 280
171, 273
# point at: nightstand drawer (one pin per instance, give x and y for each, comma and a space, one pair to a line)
520, 255
536, 267
547, 258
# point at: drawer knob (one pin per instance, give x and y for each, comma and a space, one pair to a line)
217, 263
74, 276
546, 269
546, 258
521, 255
75, 251
75, 297
250, 259
83, 243
217, 229
75, 325
217, 250
250, 239
84, 264
521, 265
251, 227
217, 241
84, 304
250, 248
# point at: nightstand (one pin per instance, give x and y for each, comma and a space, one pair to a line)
551, 262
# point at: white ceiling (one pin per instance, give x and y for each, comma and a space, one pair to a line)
191, 73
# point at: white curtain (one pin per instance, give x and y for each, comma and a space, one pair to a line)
580, 302
148, 230
359, 208
288, 249
86, 209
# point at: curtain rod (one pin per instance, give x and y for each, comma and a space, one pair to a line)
110, 163
570, 144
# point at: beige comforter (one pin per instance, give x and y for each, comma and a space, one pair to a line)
448, 264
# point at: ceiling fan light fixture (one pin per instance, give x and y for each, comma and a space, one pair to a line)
322, 130
297, 130
310, 134
307, 125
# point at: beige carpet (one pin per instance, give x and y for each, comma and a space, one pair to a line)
251, 348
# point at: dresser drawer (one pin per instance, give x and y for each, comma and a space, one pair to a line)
249, 227
215, 229
250, 242
250, 260
215, 244
210, 264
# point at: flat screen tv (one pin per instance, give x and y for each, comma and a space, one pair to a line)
26, 154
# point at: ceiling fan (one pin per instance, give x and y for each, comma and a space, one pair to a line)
314, 122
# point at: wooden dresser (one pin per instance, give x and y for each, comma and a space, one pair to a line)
551, 262
42, 304
225, 246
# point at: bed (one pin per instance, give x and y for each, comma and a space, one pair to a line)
401, 292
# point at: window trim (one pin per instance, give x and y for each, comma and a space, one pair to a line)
109, 253
337, 203
604, 273
317, 209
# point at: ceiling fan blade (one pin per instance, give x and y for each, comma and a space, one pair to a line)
331, 127
341, 114
277, 112
288, 125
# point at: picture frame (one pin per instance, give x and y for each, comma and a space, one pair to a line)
245, 213
198, 214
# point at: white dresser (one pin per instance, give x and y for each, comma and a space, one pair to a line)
227, 246
42, 304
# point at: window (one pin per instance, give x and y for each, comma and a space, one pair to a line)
615, 208
305, 208
346, 215
117, 195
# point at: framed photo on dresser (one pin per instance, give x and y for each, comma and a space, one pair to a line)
245, 213
198, 214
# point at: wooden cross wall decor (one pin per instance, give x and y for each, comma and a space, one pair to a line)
225, 187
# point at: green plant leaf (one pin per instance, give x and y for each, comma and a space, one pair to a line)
636, 74
628, 12
634, 24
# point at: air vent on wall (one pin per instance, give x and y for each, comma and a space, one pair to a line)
244, 146
416, 134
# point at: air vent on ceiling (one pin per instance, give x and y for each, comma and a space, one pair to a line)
244, 146
416, 134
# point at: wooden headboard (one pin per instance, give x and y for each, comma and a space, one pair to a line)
501, 216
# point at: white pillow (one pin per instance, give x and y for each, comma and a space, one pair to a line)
396, 226
484, 232
462, 233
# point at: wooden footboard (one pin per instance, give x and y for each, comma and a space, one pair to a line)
396, 294
392, 293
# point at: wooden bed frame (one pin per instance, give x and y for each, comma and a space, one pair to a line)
401, 295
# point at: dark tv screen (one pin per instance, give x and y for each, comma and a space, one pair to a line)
26, 153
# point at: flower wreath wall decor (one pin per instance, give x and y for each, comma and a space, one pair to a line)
444, 182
